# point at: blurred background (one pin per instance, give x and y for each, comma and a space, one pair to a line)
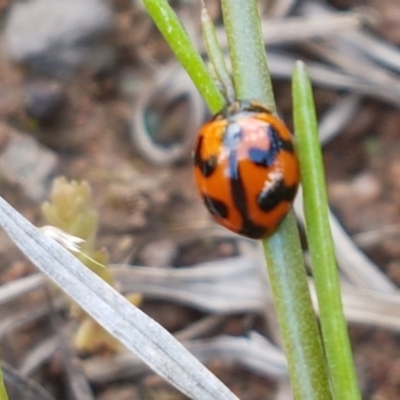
89, 90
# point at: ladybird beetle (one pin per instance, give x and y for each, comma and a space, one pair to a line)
246, 170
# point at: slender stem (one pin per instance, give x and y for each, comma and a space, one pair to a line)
215, 54
283, 253
333, 324
247, 52
297, 321
174, 33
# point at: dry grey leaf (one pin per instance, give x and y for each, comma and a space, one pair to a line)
255, 353
236, 284
138, 332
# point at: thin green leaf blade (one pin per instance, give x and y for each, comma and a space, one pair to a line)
333, 324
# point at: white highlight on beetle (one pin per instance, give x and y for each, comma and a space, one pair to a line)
68, 241
273, 179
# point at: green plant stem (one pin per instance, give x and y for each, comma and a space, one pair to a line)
327, 284
3, 391
215, 54
297, 321
283, 253
247, 52
174, 33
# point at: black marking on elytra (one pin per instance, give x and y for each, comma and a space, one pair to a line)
207, 166
239, 195
266, 158
287, 145
249, 228
268, 200
216, 207
253, 231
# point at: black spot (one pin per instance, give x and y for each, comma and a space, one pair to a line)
271, 198
265, 158
287, 145
238, 193
216, 207
249, 228
253, 231
207, 167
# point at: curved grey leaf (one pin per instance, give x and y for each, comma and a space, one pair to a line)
132, 327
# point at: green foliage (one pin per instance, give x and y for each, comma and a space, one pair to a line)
320, 242
301, 337
285, 264
174, 33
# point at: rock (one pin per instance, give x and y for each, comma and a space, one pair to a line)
57, 38
43, 99
26, 163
